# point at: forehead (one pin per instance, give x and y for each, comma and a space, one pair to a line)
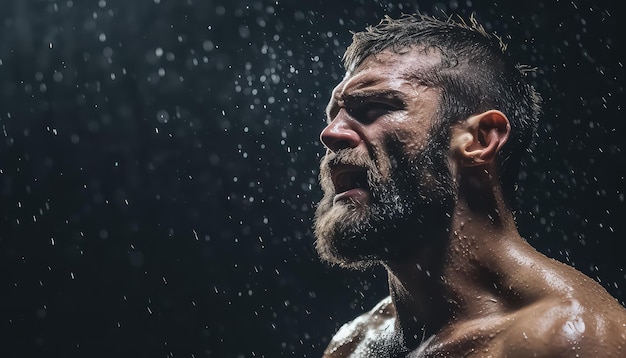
392, 70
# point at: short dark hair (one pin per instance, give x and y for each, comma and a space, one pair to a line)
475, 74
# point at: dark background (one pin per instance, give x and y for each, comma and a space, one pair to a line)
158, 164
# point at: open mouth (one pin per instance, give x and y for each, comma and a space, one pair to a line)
348, 177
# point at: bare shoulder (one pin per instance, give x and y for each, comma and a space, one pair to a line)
352, 336
586, 321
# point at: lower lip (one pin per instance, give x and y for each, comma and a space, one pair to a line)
357, 195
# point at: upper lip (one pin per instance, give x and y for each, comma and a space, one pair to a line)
346, 177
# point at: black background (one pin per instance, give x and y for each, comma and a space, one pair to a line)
158, 165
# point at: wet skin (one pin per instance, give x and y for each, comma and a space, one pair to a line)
478, 290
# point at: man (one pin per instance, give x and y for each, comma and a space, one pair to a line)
424, 139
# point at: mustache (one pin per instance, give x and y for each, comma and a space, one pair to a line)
346, 157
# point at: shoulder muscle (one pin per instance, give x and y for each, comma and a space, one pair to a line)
567, 329
351, 335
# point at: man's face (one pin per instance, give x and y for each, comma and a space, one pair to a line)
387, 186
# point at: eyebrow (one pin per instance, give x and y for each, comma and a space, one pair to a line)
389, 96
385, 95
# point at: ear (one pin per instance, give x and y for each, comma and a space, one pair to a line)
477, 140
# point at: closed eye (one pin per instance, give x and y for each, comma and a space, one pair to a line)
369, 112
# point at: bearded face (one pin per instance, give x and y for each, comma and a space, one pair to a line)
367, 217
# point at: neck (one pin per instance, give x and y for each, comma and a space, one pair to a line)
454, 279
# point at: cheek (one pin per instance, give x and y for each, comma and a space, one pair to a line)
382, 159
406, 144
412, 146
412, 129
396, 137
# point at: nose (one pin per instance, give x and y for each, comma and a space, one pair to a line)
339, 135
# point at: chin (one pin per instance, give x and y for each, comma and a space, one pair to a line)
359, 236
337, 241
391, 227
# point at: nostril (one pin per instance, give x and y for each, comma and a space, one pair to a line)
337, 145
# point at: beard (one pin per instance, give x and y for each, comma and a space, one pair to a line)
408, 210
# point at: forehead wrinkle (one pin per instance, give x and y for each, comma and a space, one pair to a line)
351, 83
360, 80
375, 85
394, 72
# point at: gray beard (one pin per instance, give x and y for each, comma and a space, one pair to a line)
407, 212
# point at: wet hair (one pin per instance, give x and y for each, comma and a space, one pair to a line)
475, 74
